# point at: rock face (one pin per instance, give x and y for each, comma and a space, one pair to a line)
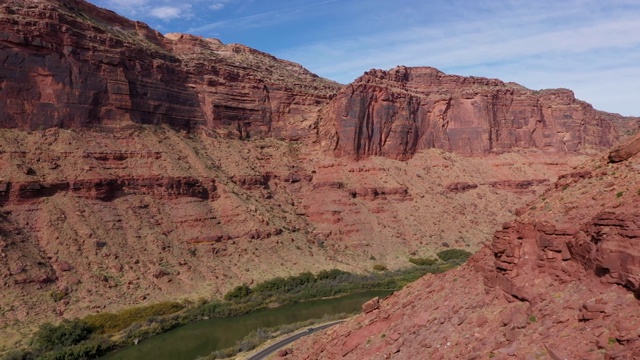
398, 112
131, 184
559, 282
107, 189
625, 150
70, 64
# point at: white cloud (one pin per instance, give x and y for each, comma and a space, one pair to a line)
166, 12
219, 4
566, 46
589, 46
255, 20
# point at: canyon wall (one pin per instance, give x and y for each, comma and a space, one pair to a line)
123, 181
559, 282
70, 64
398, 112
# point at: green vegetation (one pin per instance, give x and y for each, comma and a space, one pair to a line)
82, 339
57, 295
239, 292
86, 350
307, 286
67, 333
262, 335
104, 323
423, 261
379, 267
71, 339
532, 319
619, 194
454, 256
99, 333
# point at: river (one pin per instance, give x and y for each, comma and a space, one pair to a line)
203, 337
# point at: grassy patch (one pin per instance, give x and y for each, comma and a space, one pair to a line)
379, 267
99, 333
454, 256
111, 323
423, 261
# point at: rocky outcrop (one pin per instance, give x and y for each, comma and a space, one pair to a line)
70, 64
398, 112
625, 151
559, 282
109, 213
510, 185
110, 188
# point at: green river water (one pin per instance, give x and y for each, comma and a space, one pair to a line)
202, 337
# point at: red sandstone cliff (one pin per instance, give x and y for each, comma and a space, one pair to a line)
559, 282
70, 64
398, 112
113, 213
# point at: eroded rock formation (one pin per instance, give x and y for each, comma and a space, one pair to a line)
398, 112
70, 64
123, 181
559, 282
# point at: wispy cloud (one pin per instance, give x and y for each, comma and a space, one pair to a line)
218, 4
171, 12
590, 46
564, 46
217, 24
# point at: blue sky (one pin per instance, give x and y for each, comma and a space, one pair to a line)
589, 46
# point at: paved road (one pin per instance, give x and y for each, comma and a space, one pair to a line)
282, 343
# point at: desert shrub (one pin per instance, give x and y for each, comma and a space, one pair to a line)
110, 323
423, 261
68, 333
454, 255
86, 350
18, 355
379, 267
238, 293
281, 285
275, 284
619, 194
330, 274
57, 295
154, 325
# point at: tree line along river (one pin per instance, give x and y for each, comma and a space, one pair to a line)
203, 337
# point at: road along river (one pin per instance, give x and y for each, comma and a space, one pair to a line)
203, 337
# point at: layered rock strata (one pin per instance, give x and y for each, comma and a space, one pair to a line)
559, 282
70, 64
398, 112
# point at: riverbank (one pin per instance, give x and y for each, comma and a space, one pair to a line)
225, 337
282, 341
98, 334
